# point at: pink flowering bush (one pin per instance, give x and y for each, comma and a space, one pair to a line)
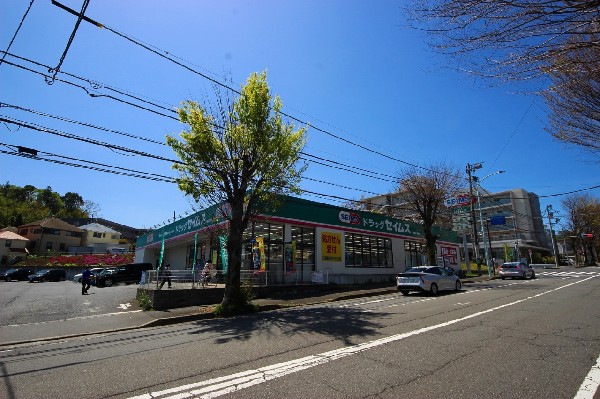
90, 260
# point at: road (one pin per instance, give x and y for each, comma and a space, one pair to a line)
510, 339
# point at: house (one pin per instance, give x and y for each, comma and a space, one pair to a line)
11, 244
98, 238
128, 234
50, 235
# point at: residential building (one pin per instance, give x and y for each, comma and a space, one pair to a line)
11, 244
128, 234
50, 235
97, 238
301, 242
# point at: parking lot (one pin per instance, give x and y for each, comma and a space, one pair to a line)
23, 302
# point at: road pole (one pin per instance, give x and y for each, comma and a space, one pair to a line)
470, 169
550, 216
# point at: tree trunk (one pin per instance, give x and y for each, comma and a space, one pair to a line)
233, 297
430, 240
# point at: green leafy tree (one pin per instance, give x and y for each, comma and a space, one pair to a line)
241, 155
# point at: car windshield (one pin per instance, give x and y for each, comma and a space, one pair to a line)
43, 271
11, 270
509, 265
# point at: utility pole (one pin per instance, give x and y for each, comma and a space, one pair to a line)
554, 247
471, 168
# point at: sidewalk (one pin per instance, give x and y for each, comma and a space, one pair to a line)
123, 321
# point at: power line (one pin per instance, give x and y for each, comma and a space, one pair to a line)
17, 31
167, 55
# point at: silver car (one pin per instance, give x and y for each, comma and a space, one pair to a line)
430, 279
516, 270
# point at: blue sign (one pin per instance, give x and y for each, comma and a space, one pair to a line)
497, 220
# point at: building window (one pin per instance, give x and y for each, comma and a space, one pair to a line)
62, 246
368, 251
414, 253
49, 245
37, 231
305, 247
97, 235
23, 232
8, 243
272, 235
47, 230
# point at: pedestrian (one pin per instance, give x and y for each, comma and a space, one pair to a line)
166, 276
85, 281
207, 272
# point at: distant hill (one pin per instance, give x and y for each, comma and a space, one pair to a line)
21, 205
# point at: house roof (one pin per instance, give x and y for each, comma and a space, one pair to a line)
97, 227
54, 223
9, 235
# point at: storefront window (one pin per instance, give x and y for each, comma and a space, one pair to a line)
414, 253
368, 251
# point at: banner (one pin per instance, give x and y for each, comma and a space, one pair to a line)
290, 259
223, 242
258, 254
331, 246
162, 253
195, 254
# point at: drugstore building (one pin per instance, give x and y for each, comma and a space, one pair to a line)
302, 242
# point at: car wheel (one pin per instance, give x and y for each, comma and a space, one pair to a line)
532, 275
404, 292
524, 276
108, 282
502, 278
43, 279
433, 289
7, 279
457, 286
79, 280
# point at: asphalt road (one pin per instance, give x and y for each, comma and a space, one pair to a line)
23, 302
508, 339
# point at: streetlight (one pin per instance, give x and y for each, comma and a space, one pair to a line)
485, 247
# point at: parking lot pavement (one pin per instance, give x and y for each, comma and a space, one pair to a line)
14, 334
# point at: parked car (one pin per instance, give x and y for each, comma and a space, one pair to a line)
430, 279
130, 273
94, 270
516, 270
20, 274
48, 275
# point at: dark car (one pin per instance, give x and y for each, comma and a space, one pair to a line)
48, 275
130, 273
20, 274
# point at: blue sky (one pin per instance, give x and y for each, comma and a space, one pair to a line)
348, 67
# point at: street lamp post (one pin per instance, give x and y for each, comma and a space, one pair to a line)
485, 246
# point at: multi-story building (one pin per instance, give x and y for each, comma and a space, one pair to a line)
512, 221
98, 238
129, 234
50, 235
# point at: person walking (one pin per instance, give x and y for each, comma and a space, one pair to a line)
166, 276
85, 281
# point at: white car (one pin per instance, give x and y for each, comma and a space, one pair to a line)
430, 279
94, 270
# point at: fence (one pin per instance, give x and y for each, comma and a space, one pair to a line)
186, 279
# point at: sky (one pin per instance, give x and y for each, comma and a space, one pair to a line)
350, 68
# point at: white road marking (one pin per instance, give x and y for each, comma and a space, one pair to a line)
219, 386
590, 383
124, 306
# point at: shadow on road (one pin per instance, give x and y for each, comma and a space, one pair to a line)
341, 324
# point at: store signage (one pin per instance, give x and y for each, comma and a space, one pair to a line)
349, 217
460, 200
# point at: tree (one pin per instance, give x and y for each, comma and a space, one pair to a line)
583, 217
73, 204
423, 192
554, 42
242, 155
51, 200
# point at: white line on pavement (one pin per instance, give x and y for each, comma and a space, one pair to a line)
75, 318
235, 382
590, 383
